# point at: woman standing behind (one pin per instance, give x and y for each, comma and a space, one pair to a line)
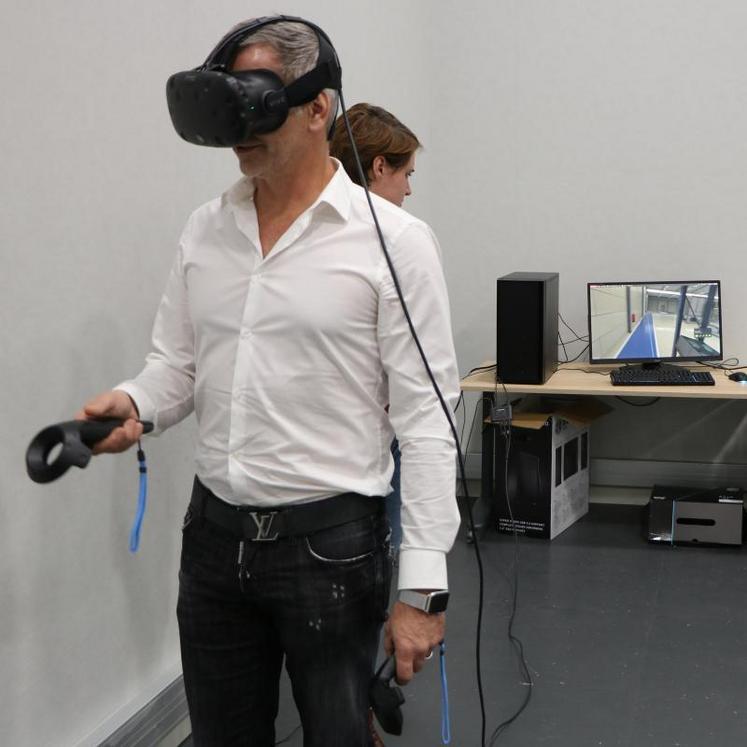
387, 150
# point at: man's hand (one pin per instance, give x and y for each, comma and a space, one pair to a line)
113, 404
412, 635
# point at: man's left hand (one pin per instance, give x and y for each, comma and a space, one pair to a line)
412, 635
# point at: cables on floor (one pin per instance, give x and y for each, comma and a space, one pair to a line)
518, 646
441, 400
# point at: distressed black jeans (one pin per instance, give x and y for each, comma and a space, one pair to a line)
317, 602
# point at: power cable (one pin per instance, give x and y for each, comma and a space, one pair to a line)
442, 402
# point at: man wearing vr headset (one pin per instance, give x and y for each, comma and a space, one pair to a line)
282, 328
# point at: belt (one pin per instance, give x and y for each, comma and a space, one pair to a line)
266, 525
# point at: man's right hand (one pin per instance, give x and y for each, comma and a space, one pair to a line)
113, 404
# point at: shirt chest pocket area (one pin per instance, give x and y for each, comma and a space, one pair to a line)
216, 297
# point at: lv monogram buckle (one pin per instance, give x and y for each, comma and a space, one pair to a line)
263, 525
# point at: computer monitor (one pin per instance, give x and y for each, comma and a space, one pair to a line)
644, 322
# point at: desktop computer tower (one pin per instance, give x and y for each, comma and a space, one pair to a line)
527, 327
695, 515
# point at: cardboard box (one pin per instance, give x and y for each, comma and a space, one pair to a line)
695, 516
548, 469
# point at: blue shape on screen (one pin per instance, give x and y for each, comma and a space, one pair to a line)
642, 341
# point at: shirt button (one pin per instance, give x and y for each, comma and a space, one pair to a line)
246, 334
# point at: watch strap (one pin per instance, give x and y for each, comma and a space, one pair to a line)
430, 602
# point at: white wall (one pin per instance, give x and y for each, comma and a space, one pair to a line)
95, 189
603, 140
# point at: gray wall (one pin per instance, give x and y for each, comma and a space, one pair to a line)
603, 140
95, 189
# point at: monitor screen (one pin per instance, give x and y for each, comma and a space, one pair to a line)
639, 322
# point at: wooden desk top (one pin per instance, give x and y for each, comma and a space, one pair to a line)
572, 378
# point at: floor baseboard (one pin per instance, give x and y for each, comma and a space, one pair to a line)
163, 722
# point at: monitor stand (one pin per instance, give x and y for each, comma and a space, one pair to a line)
653, 366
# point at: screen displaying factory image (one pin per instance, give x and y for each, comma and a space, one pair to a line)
654, 321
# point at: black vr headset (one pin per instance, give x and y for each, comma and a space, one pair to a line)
211, 105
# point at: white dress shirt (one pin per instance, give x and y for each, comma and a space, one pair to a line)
291, 360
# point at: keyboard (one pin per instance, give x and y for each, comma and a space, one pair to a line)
630, 376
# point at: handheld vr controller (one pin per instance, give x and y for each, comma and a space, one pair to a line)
386, 698
76, 437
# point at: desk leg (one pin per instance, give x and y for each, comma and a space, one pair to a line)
482, 510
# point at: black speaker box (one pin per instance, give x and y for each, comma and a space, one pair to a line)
527, 326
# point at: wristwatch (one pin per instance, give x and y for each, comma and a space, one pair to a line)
428, 601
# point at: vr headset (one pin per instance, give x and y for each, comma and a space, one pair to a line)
211, 105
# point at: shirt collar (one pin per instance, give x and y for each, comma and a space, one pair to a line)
337, 193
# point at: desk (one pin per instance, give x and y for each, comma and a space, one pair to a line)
575, 380
572, 380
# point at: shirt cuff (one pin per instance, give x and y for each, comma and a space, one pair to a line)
422, 569
145, 406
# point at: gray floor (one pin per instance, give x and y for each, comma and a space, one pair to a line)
629, 644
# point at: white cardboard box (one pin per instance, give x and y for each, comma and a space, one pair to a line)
548, 475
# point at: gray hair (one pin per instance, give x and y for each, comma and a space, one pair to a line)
297, 46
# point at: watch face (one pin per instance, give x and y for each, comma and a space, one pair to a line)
437, 602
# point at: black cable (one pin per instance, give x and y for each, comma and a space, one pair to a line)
587, 370
465, 449
474, 418
441, 400
638, 404
287, 739
514, 640
573, 360
464, 414
575, 338
499, 380
472, 424
585, 338
724, 365
464, 423
481, 368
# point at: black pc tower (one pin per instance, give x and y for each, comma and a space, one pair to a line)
527, 327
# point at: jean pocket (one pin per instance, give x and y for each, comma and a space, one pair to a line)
344, 545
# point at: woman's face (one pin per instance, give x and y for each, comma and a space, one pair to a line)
389, 183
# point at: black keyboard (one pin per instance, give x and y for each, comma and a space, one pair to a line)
630, 376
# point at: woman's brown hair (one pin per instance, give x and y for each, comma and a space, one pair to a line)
376, 133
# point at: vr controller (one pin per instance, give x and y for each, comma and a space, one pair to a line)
76, 437
386, 698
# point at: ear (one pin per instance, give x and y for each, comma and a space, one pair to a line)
378, 167
319, 110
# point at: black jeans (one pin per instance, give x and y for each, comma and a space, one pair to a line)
319, 601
